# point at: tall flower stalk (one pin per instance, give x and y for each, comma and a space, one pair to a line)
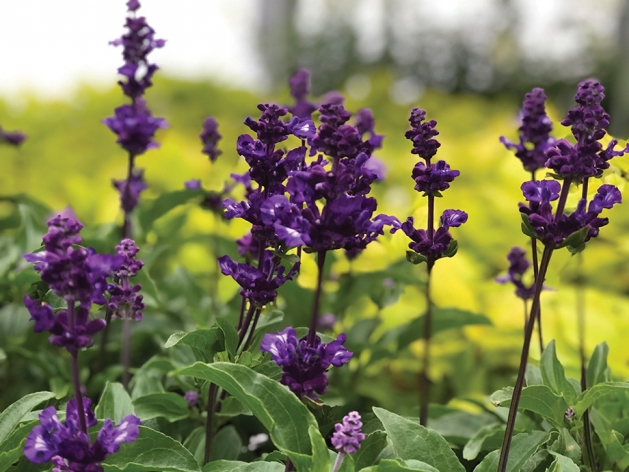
430, 244
569, 163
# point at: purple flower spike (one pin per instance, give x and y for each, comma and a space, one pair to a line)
299, 90
130, 197
125, 300
535, 138
14, 138
541, 191
422, 134
41, 314
68, 447
210, 137
347, 435
304, 366
434, 179
518, 265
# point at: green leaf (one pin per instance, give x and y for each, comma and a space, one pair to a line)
598, 371
587, 398
526, 226
453, 247
320, 451
226, 444
114, 403
475, 444
566, 446
195, 443
442, 319
523, 446
410, 440
152, 451
12, 448
576, 241
358, 335
614, 450
277, 408
233, 466
536, 398
231, 336
533, 375
205, 343
14, 413
562, 464
151, 211
389, 465
414, 258
167, 405
370, 449
553, 375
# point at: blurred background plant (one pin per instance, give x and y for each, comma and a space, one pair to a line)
467, 63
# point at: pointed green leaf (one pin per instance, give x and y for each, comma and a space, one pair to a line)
523, 446
553, 375
12, 448
475, 444
598, 371
410, 440
150, 211
398, 465
205, 343
231, 336
599, 390
233, 466
114, 403
152, 451
226, 445
320, 451
614, 450
277, 408
562, 464
566, 445
370, 449
14, 413
536, 398
168, 405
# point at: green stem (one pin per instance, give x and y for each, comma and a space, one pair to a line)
125, 355
424, 379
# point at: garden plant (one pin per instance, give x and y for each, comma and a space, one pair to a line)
263, 380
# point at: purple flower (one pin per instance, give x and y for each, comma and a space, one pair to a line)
270, 129
135, 127
304, 366
73, 273
334, 137
299, 90
541, 191
125, 300
347, 435
14, 138
303, 128
453, 219
137, 43
518, 265
70, 448
210, 137
256, 285
192, 184
434, 179
535, 138
130, 190
422, 134
192, 398
365, 123
606, 197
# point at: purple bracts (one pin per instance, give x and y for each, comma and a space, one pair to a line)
14, 138
347, 435
535, 138
210, 138
130, 197
422, 134
70, 448
304, 366
125, 301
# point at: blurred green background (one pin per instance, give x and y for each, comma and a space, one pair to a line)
70, 159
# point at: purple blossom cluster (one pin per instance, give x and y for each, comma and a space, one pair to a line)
431, 179
125, 300
347, 435
70, 448
210, 138
13, 138
304, 364
518, 265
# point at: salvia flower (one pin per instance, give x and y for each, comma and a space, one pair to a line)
72, 272
304, 365
130, 190
69, 448
365, 124
210, 138
422, 134
299, 90
125, 300
518, 266
192, 398
347, 435
433, 179
535, 138
14, 138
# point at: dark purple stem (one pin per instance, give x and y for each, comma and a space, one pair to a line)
125, 355
209, 425
424, 380
126, 225
241, 316
76, 380
312, 332
535, 272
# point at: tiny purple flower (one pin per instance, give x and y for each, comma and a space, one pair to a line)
422, 134
192, 398
210, 137
130, 190
14, 138
347, 435
192, 184
125, 300
541, 191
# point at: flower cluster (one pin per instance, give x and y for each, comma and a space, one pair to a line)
347, 435
131, 189
14, 138
518, 265
431, 179
535, 137
69, 448
210, 138
125, 300
304, 365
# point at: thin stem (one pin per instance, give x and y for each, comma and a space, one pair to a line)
289, 466
245, 326
100, 365
580, 299
528, 334
76, 380
424, 380
241, 317
126, 225
254, 323
315, 305
526, 313
125, 355
539, 311
337, 463
209, 425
